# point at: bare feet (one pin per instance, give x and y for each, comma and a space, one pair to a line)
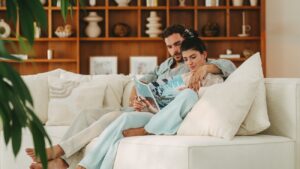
135, 132
80, 167
57, 163
52, 153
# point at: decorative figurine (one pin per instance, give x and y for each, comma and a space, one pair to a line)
4, 29
153, 25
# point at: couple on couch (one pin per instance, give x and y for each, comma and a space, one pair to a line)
184, 46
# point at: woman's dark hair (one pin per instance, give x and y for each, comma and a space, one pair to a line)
184, 32
193, 43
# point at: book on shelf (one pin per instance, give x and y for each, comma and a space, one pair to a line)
230, 56
161, 92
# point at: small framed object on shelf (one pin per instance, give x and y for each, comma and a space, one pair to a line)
103, 65
140, 65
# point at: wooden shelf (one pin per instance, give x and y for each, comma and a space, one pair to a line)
74, 52
41, 61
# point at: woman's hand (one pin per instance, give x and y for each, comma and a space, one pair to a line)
197, 77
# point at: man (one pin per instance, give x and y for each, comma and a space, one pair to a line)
90, 124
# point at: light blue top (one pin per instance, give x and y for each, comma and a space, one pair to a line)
164, 69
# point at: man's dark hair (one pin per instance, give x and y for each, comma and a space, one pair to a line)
193, 43
184, 32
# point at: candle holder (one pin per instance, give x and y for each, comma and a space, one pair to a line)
245, 28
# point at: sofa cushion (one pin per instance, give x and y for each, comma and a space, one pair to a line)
70, 97
223, 107
38, 87
194, 152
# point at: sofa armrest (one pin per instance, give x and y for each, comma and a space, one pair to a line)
283, 100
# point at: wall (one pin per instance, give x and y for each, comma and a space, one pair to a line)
283, 38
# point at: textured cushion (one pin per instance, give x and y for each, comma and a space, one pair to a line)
223, 107
70, 97
115, 88
38, 87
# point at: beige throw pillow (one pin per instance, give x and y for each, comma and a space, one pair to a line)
70, 97
223, 107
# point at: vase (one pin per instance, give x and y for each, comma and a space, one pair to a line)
5, 29
93, 29
237, 2
153, 25
122, 2
92, 2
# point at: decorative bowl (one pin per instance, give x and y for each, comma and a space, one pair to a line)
62, 34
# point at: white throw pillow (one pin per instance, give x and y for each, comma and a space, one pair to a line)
223, 107
257, 119
70, 97
38, 88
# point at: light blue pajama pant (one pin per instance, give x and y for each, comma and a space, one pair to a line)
166, 121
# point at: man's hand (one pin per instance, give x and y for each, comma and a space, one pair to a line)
138, 104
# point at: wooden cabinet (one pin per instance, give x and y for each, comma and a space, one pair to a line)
73, 53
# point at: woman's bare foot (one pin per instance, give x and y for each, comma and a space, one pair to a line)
52, 153
57, 163
80, 167
135, 132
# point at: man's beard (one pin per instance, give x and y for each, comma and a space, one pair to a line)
178, 57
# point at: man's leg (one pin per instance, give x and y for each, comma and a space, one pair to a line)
80, 127
72, 146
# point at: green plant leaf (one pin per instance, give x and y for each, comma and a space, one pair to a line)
26, 23
11, 6
64, 9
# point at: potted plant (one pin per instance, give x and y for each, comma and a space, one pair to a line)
15, 100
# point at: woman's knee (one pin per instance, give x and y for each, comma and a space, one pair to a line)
189, 94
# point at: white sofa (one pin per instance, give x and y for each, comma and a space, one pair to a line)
276, 148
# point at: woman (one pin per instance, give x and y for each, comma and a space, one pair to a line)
166, 121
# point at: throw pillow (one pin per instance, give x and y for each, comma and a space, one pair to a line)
257, 119
70, 97
223, 107
38, 88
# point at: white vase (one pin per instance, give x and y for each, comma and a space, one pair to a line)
92, 2
122, 2
153, 25
43, 2
253, 2
37, 30
6, 29
93, 29
237, 2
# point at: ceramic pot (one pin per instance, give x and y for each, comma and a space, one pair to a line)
37, 30
93, 29
4, 29
122, 2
